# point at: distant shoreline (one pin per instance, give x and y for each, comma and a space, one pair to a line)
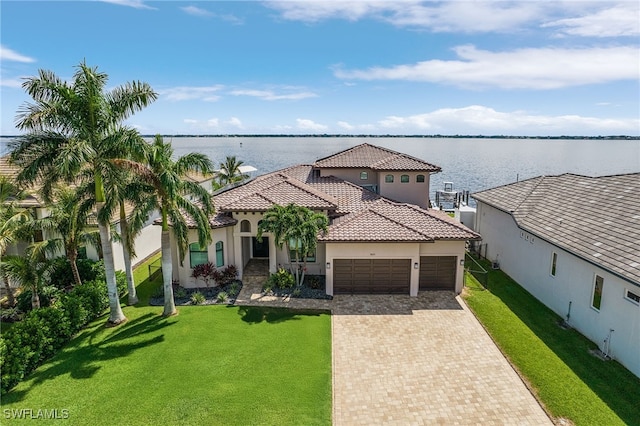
613, 137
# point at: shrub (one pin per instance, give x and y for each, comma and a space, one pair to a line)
315, 282
267, 288
62, 277
229, 274
204, 272
297, 292
9, 314
234, 289
47, 294
121, 277
180, 293
197, 298
93, 296
222, 296
281, 279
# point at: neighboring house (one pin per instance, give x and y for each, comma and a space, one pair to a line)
373, 245
572, 241
146, 244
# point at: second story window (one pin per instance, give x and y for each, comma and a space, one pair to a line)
404, 178
364, 175
388, 178
420, 178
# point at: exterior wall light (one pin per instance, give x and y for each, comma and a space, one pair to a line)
328, 265
416, 265
462, 262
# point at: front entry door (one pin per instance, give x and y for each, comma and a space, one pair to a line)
261, 249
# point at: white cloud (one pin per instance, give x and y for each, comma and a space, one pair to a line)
477, 119
10, 82
7, 54
196, 11
190, 121
235, 122
183, 93
467, 16
269, 95
529, 68
619, 20
136, 4
213, 122
310, 125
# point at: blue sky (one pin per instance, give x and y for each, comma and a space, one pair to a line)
354, 67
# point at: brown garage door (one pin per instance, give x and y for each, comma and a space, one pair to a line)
371, 276
437, 273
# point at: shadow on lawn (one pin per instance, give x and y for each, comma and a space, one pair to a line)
81, 356
613, 383
258, 314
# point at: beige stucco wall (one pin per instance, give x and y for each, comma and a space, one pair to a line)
352, 175
411, 192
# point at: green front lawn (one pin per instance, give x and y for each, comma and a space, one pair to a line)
570, 382
207, 365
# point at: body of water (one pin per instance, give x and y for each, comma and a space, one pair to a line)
471, 164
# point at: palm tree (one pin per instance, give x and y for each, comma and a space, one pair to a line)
67, 225
176, 198
30, 271
127, 190
230, 172
77, 127
295, 227
12, 222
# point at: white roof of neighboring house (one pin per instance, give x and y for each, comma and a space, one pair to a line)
595, 218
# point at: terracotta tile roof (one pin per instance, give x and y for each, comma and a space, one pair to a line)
274, 188
595, 218
390, 221
375, 158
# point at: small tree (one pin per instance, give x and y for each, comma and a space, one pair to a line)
294, 228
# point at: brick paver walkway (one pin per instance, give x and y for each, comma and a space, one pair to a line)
400, 360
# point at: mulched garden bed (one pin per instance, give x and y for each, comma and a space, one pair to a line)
312, 288
182, 296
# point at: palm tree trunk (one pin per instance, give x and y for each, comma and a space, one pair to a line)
72, 255
124, 231
167, 275
11, 299
116, 316
35, 299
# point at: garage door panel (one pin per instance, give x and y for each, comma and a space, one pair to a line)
371, 276
437, 272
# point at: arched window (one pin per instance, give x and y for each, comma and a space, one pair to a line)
197, 255
420, 178
404, 178
245, 226
388, 178
219, 254
364, 175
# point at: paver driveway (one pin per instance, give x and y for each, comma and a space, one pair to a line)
399, 360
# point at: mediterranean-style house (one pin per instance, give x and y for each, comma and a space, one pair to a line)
382, 237
146, 244
572, 242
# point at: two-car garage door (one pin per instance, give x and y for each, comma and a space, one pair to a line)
392, 276
371, 276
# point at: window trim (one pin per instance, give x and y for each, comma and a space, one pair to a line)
593, 292
634, 301
554, 264
388, 178
191, 251
405, 179
219, 251
364, 175
418, 177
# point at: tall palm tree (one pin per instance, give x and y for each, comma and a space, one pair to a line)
177, 198
67, 226
294, 228
126, 189
12, 223
230, 172
76, 127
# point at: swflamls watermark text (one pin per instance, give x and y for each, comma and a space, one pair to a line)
35, 414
